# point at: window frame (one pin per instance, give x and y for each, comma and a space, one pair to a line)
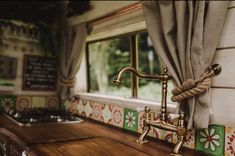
133, 28
134, 59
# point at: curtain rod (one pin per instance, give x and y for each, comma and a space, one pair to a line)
132, 7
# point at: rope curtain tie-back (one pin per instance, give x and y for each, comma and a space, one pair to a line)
67, 82
191, 87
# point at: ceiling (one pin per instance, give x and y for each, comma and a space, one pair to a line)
29, 11
38, 10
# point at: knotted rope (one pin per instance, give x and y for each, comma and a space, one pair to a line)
67, 82
191, 87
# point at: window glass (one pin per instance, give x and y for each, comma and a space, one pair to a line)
106, 58
150, 63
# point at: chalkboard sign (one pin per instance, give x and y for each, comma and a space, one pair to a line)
39, 73
8, 67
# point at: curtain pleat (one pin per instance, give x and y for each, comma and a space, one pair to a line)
72, 45
185, 35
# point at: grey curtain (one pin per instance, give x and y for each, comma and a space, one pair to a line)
72, 47
185, 35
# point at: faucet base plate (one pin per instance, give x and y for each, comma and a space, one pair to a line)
176, 154
139, 141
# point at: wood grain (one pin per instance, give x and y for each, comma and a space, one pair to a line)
44, 137
88, 147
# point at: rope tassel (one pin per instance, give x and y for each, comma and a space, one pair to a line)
191, 88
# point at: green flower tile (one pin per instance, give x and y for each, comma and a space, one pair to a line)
7, 100
130, 119
211, 140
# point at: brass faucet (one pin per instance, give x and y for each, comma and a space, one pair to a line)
165, 121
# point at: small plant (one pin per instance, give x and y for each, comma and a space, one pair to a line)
47, 40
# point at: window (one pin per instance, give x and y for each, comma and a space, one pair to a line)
149, 62
107, 57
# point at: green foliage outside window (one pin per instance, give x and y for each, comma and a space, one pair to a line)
107, 57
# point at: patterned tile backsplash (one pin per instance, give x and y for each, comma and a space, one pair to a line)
21, 102
117, 117
130, 119
7, 100
189, 140
217, 140
229, 141
52, 102
38, 101
211, 140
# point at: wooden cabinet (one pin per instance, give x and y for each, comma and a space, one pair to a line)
88, 138
14, 149
3, 145
9, 147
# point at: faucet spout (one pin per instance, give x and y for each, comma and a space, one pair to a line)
118, 80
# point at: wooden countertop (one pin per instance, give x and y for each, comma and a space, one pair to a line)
84, 139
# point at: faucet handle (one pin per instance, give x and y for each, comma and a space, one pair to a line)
181, 119
139, 109
147, 113
147, 109
173, 116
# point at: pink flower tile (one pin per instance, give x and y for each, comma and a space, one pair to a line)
229, 141
52, 102
97, 110
163, 134
74, 106
106, 116
23, 102
117, 116
189, 140
140, 121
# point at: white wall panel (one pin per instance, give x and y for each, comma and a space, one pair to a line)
226, 58
228, 34
223, 106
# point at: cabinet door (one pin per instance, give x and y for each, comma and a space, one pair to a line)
14, 149
3, 145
